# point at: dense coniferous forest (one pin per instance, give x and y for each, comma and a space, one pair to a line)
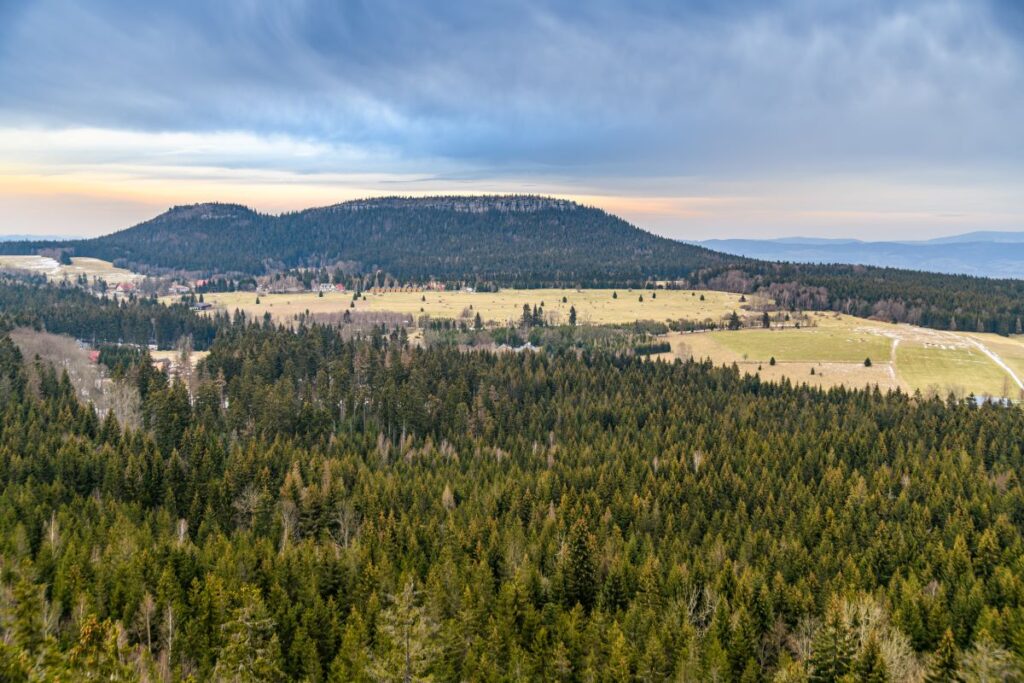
308, 508
69, 310
531, 242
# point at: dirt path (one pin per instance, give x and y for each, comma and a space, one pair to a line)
997, 360
943, 338
892, 358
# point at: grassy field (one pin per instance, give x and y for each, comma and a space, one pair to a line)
593, 306
80, 265
94, 267
834, 346
941, 369
823, 343
903, 356
1010, 350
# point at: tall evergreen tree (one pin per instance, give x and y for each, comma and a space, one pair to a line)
869, 666
99, 655
580, 574
251, 650
945, 664
832, 648
734, 321
407, 643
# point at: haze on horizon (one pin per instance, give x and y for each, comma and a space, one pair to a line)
878, 120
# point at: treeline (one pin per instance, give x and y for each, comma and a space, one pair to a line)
66, 309
327, 510
939, 301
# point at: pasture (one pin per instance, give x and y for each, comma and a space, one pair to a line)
593, 306
833, 345
903, 356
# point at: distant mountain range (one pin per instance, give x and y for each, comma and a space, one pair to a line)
30, 238
982, 253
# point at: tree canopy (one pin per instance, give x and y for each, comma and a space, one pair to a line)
316, 508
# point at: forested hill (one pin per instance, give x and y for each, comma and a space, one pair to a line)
527, 241
511, 240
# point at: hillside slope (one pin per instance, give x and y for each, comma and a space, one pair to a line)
511, 240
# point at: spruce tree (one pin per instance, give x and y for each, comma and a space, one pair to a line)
13, 664
617, 668
27, 608
305, 660
97, 656
945, 664
870, 666
743, 639
351, 663
580, 574
406, 640
251, 651
832, 648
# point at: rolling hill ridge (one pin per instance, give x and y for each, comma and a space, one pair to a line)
514, 240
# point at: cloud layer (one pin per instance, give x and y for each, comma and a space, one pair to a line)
670, 100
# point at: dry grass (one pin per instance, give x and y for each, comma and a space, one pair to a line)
904, 356
593, 306
96, 268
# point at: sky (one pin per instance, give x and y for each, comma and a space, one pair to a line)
701, 119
